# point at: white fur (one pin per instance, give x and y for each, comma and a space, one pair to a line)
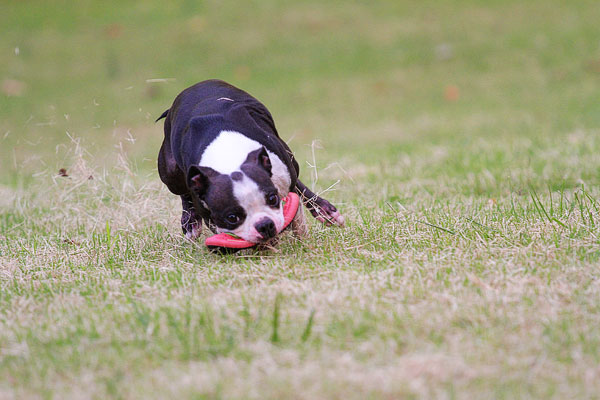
280, 175
228, 152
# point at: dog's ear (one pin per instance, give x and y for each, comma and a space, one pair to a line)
261, 158
199, 178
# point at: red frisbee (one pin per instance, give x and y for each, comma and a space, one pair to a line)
230, 241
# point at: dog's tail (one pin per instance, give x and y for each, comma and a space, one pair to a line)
163, 115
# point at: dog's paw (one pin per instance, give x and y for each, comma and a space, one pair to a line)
334, 218
192, 229
326, 212
194, 233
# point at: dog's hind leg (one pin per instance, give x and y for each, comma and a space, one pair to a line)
320, 208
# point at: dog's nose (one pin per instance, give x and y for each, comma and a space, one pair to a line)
266, 228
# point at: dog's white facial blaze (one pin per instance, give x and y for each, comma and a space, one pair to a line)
252, 200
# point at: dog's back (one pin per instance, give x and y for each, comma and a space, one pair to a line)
220, 106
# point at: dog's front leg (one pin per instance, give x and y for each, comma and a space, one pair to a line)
191, 222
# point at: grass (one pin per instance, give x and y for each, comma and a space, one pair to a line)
464, 136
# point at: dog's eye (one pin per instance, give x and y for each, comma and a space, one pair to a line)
273, 200
233, 219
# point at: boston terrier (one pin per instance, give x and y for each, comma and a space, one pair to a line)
222, 154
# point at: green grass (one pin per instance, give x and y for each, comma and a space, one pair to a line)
469, 264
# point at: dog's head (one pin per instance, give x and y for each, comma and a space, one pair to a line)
245, 202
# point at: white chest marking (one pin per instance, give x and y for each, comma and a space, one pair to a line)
228, 152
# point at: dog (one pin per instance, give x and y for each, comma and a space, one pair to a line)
222, 155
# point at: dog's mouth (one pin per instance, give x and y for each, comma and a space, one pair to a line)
262, 240
257, 239
252, 240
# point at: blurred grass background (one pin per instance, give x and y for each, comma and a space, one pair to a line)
365, 78
465, 138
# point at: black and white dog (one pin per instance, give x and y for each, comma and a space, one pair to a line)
222, 154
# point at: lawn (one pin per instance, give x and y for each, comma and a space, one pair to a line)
460, 139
